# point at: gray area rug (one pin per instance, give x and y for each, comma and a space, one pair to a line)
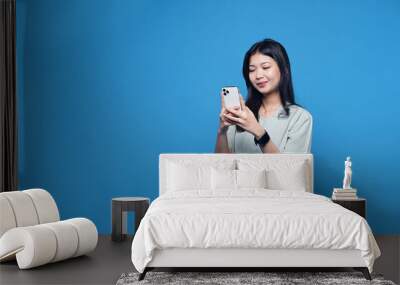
225, 278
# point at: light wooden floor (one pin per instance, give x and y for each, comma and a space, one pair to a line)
110, 260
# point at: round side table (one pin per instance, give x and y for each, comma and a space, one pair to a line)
120, 206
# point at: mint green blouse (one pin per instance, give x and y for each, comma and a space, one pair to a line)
291, 134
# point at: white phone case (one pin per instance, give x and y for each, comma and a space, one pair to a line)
231, 97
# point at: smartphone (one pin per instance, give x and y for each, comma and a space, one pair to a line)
231, 97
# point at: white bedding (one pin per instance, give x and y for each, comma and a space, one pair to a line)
250, 218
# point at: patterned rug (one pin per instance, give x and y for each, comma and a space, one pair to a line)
270, 278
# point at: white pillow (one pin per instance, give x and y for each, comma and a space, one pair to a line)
236, 179
185, 177
193, 174
281, 174
223, 179
251, 178
294, 179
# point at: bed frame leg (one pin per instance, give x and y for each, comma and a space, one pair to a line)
143, 274
364, 271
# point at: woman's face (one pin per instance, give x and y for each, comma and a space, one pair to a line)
264, 73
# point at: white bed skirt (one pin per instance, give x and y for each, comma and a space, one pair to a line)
189, 257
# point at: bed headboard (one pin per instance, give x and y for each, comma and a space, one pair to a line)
215, 158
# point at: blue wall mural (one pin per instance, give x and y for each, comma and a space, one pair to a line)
104, 87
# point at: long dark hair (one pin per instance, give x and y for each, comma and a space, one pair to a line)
275, 50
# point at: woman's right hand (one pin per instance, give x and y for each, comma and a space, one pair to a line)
224, 122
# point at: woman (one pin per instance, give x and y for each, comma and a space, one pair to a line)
270, 121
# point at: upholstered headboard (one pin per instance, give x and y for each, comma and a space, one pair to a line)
232, 161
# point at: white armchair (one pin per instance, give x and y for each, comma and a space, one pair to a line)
32, 233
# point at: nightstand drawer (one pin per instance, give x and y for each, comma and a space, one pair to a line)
357, 206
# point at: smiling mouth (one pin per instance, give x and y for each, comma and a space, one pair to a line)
262, 84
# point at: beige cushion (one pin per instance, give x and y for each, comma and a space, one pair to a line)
46, 207
23, 208
7, 220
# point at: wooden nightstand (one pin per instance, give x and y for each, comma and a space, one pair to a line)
120, 207
358, 205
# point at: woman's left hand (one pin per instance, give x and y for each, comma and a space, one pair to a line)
245, 119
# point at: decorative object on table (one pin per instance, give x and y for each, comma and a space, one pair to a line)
358, 205
120, 207
32, 233
247, 278
347, 173
347, 192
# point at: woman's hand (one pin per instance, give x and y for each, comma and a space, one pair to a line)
245, 119
224, 122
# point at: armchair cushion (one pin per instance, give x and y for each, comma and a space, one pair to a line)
40, 244
30, 230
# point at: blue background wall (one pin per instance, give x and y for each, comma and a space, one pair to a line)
105, 86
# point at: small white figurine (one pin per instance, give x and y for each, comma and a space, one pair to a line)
347, 173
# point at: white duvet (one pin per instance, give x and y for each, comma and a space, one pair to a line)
251, 218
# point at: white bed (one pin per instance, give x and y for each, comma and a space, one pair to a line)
202, 220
